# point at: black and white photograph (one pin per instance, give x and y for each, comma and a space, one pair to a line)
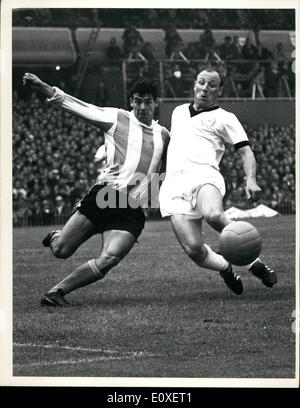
148, 195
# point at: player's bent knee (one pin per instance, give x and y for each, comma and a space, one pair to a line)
195, 250
107, 260
214, 217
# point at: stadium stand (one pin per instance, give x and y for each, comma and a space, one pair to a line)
261, 67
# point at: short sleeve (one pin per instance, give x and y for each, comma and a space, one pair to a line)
234, 132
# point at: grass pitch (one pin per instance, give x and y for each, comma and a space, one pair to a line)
156, 314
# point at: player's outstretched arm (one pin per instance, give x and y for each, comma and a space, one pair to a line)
38, 85
253, 191
86, 111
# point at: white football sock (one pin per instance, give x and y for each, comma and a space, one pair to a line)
214, 261
84, 275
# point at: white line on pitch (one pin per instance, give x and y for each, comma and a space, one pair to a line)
71, 348
78, 361
110, 354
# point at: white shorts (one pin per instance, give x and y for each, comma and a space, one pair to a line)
178, 193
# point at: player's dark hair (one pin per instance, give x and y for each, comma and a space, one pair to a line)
143, 87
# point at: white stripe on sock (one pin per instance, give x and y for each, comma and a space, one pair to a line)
95, 269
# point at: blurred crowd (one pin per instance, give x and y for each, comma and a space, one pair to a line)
53, 163
157, 18
274, 150
53, 156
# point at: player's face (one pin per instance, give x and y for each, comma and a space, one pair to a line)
143, 107
206, 89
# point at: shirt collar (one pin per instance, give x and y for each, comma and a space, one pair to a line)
194, 112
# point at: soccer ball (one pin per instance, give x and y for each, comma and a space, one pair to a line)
240, 243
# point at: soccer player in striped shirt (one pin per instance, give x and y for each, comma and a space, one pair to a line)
194, 187
135, 145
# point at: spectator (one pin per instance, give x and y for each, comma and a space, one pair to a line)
34, 211
132, 40
147, 52
237, 48
249, 53
280, 56
59, 205
172, 39
192, 52
77, 191
176, 82
208, 45
61, 210
113, 51
47, 213
102, 96
230, 75
19, 191
272, 78
290, 72
264, 55
150, 60
227, 51
142, 71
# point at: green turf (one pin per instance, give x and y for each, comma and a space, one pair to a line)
156, 314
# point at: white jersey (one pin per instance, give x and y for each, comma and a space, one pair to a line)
198, 138
133, 149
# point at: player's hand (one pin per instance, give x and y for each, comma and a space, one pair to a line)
31, 80
35, 83
253, 191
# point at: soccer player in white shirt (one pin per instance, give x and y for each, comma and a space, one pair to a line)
194, 187
134, 146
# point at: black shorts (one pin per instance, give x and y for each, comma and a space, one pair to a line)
105, 219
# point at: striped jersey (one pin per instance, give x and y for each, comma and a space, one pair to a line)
133, 149
199, 137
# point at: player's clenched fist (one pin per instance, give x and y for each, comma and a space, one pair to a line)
253, 191
31, 79
37, 84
